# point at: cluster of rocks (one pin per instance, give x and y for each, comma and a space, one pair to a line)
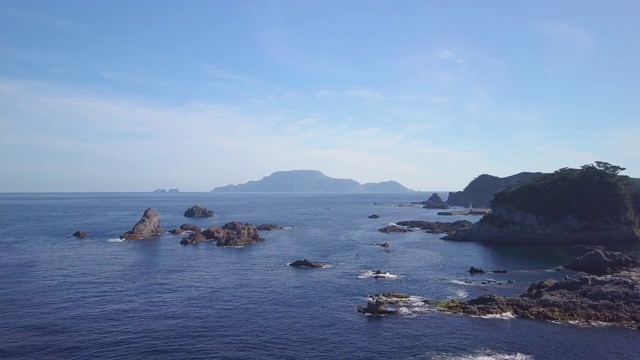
607, 291
230, 234
197, 211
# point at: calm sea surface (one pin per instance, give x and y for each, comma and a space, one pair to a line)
68, 298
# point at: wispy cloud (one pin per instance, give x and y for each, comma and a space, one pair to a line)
564, 32
148, 141
48, 20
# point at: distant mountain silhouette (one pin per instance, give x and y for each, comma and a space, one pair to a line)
310, 181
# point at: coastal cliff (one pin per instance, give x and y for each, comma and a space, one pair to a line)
593, 204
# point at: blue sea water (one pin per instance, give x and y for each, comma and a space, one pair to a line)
98, 297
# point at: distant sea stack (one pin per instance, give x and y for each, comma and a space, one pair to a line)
165, 191
480, 190
311, 181
593, 204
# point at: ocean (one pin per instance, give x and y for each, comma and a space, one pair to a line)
102, 298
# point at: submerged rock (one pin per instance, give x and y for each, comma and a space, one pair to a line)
374, 216
149, 225
197, 211
384, 244
307, 264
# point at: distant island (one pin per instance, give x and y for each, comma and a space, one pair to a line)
311, 181
165, 191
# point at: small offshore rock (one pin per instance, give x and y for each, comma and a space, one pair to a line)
374, 216
394, 229
80, 234
475, 270
307, 264
197, 211
384, 244
176, 231
269, 227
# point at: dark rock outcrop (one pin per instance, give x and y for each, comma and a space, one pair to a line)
80, 234
149, 225
197, 211
307, 264
269, 227
384, 244
374, 216
394, 229
176, 231
193, 238
611, 298
600, 262
475, 270
437, 227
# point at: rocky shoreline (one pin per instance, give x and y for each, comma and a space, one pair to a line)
608, 291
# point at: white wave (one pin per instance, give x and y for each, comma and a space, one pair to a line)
460, 282
485, 355
505, 316
115, 240
371, 274
459, 294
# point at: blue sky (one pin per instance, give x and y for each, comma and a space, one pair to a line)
137, 95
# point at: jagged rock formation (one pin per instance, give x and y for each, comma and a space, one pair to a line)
149, 225
480, 190
310, 181
197, 211
587, 205
193, 238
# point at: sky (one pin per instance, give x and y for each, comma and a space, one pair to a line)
115, 95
